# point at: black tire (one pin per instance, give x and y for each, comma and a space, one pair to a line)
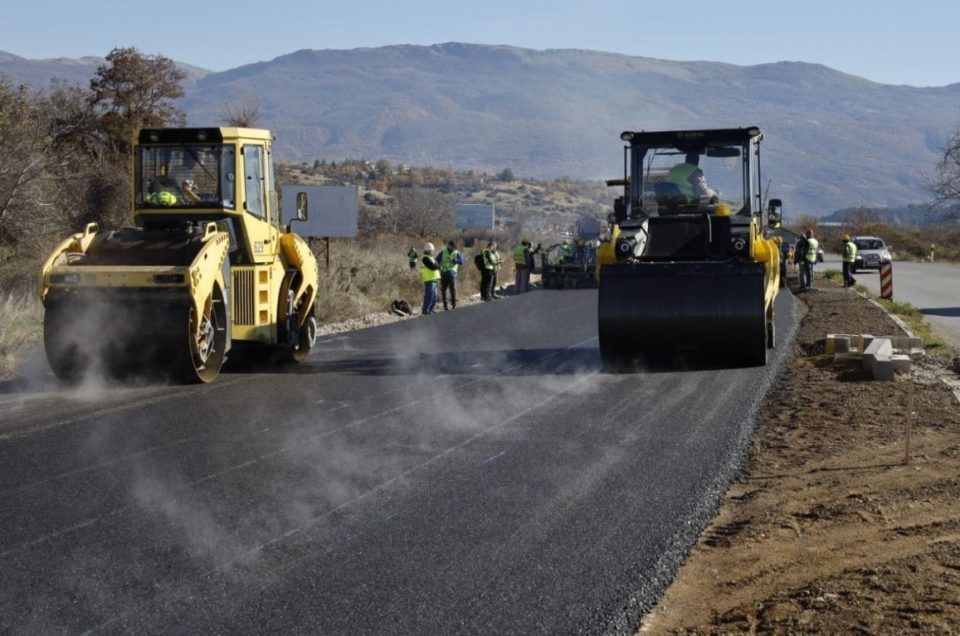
297, 345
307, 336
205, 354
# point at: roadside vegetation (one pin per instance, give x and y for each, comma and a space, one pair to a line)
905, 311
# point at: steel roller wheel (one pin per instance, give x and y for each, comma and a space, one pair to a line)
658, 313
63, 351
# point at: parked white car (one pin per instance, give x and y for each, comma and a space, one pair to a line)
872, 252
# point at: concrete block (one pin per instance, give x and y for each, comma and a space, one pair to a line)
901, 363
883, 370
837, 343
853, 359
879, 347
876, 359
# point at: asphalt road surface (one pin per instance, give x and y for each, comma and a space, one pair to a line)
933, 288
475, 471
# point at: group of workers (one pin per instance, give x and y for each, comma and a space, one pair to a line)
805, 255
441, 270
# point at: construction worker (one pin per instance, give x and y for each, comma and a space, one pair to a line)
809, 258
565, 252
450, 261
689, 179
163, 197
412, 257
488, 275
523, 264
849, 256
430, 273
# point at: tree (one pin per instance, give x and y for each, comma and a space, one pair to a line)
422, 212
506, 175
243, 113
946, 184
133, 91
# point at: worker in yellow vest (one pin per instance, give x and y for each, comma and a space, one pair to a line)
849, 256
488, 275
689, 179
430, 273
450, 261
809, 258
523, 264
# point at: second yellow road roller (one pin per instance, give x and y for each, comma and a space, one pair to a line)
688, 269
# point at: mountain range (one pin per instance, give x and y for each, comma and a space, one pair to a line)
832, 140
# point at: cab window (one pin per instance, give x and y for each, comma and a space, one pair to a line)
253, 180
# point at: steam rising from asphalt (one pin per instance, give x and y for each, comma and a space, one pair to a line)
95, 334
337, 455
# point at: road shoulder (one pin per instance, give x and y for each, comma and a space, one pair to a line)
828, 529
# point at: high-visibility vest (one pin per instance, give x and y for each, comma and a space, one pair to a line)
491, 259
812, 246
428, 274
520, 255
849, 252
679, 175
448, 261
163, 197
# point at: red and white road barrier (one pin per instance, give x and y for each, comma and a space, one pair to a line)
886, 281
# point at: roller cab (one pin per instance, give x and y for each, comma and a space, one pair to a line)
687, 270
205, 266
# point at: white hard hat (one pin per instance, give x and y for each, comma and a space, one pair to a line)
428, 247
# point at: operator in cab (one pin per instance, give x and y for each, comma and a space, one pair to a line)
689, 179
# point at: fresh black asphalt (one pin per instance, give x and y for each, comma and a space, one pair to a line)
475, 471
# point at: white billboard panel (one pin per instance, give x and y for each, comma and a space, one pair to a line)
475, 216
331, 210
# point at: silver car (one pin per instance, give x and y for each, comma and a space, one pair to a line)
872, 252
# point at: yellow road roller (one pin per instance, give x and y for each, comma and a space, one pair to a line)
207, 264
688, 270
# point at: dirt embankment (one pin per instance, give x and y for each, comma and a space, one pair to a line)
829, 529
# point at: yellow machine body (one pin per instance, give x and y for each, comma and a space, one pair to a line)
208, 264
688, 267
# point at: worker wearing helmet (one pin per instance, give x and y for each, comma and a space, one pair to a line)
430, 273
450, 261
809, 254
849, 256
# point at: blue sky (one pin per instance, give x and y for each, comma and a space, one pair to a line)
893, 42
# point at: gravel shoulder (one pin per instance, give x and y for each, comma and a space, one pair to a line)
846, 517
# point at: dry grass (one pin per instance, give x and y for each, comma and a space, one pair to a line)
366, 275
21, 325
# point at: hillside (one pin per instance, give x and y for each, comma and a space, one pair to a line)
833, 140
39, 73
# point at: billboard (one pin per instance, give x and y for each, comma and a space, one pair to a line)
475, 216
331, 210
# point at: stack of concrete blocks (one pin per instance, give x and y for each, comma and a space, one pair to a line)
880, 356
